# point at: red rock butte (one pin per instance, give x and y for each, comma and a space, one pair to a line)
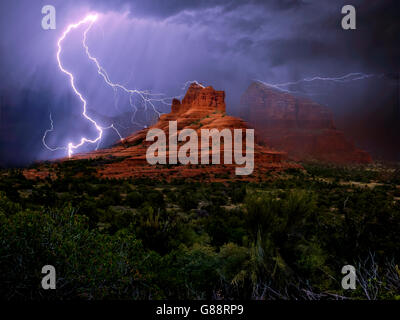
201, 108
299, 126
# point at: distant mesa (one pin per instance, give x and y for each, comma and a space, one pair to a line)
299, 126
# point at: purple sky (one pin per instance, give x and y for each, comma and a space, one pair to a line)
158, 45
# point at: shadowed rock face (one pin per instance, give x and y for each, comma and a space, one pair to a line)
298, 126
201, 108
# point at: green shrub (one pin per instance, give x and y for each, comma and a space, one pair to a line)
89, 264
135, 199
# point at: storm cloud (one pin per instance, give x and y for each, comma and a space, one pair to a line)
158, 45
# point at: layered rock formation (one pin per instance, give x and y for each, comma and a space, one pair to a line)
299, 126
201, 108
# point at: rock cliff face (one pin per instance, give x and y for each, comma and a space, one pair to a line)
201, 108
201, 100
298, 126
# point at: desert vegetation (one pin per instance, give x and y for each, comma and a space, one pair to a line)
286, 237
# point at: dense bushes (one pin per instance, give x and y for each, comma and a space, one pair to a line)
89, 264
286, 238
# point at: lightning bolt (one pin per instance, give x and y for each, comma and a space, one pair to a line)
188, 83
147, 98
91, 18
45, 136
354, 76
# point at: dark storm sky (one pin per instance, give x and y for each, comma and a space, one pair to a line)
158, 45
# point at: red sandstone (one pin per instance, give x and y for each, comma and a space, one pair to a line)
201, 108
299, 126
